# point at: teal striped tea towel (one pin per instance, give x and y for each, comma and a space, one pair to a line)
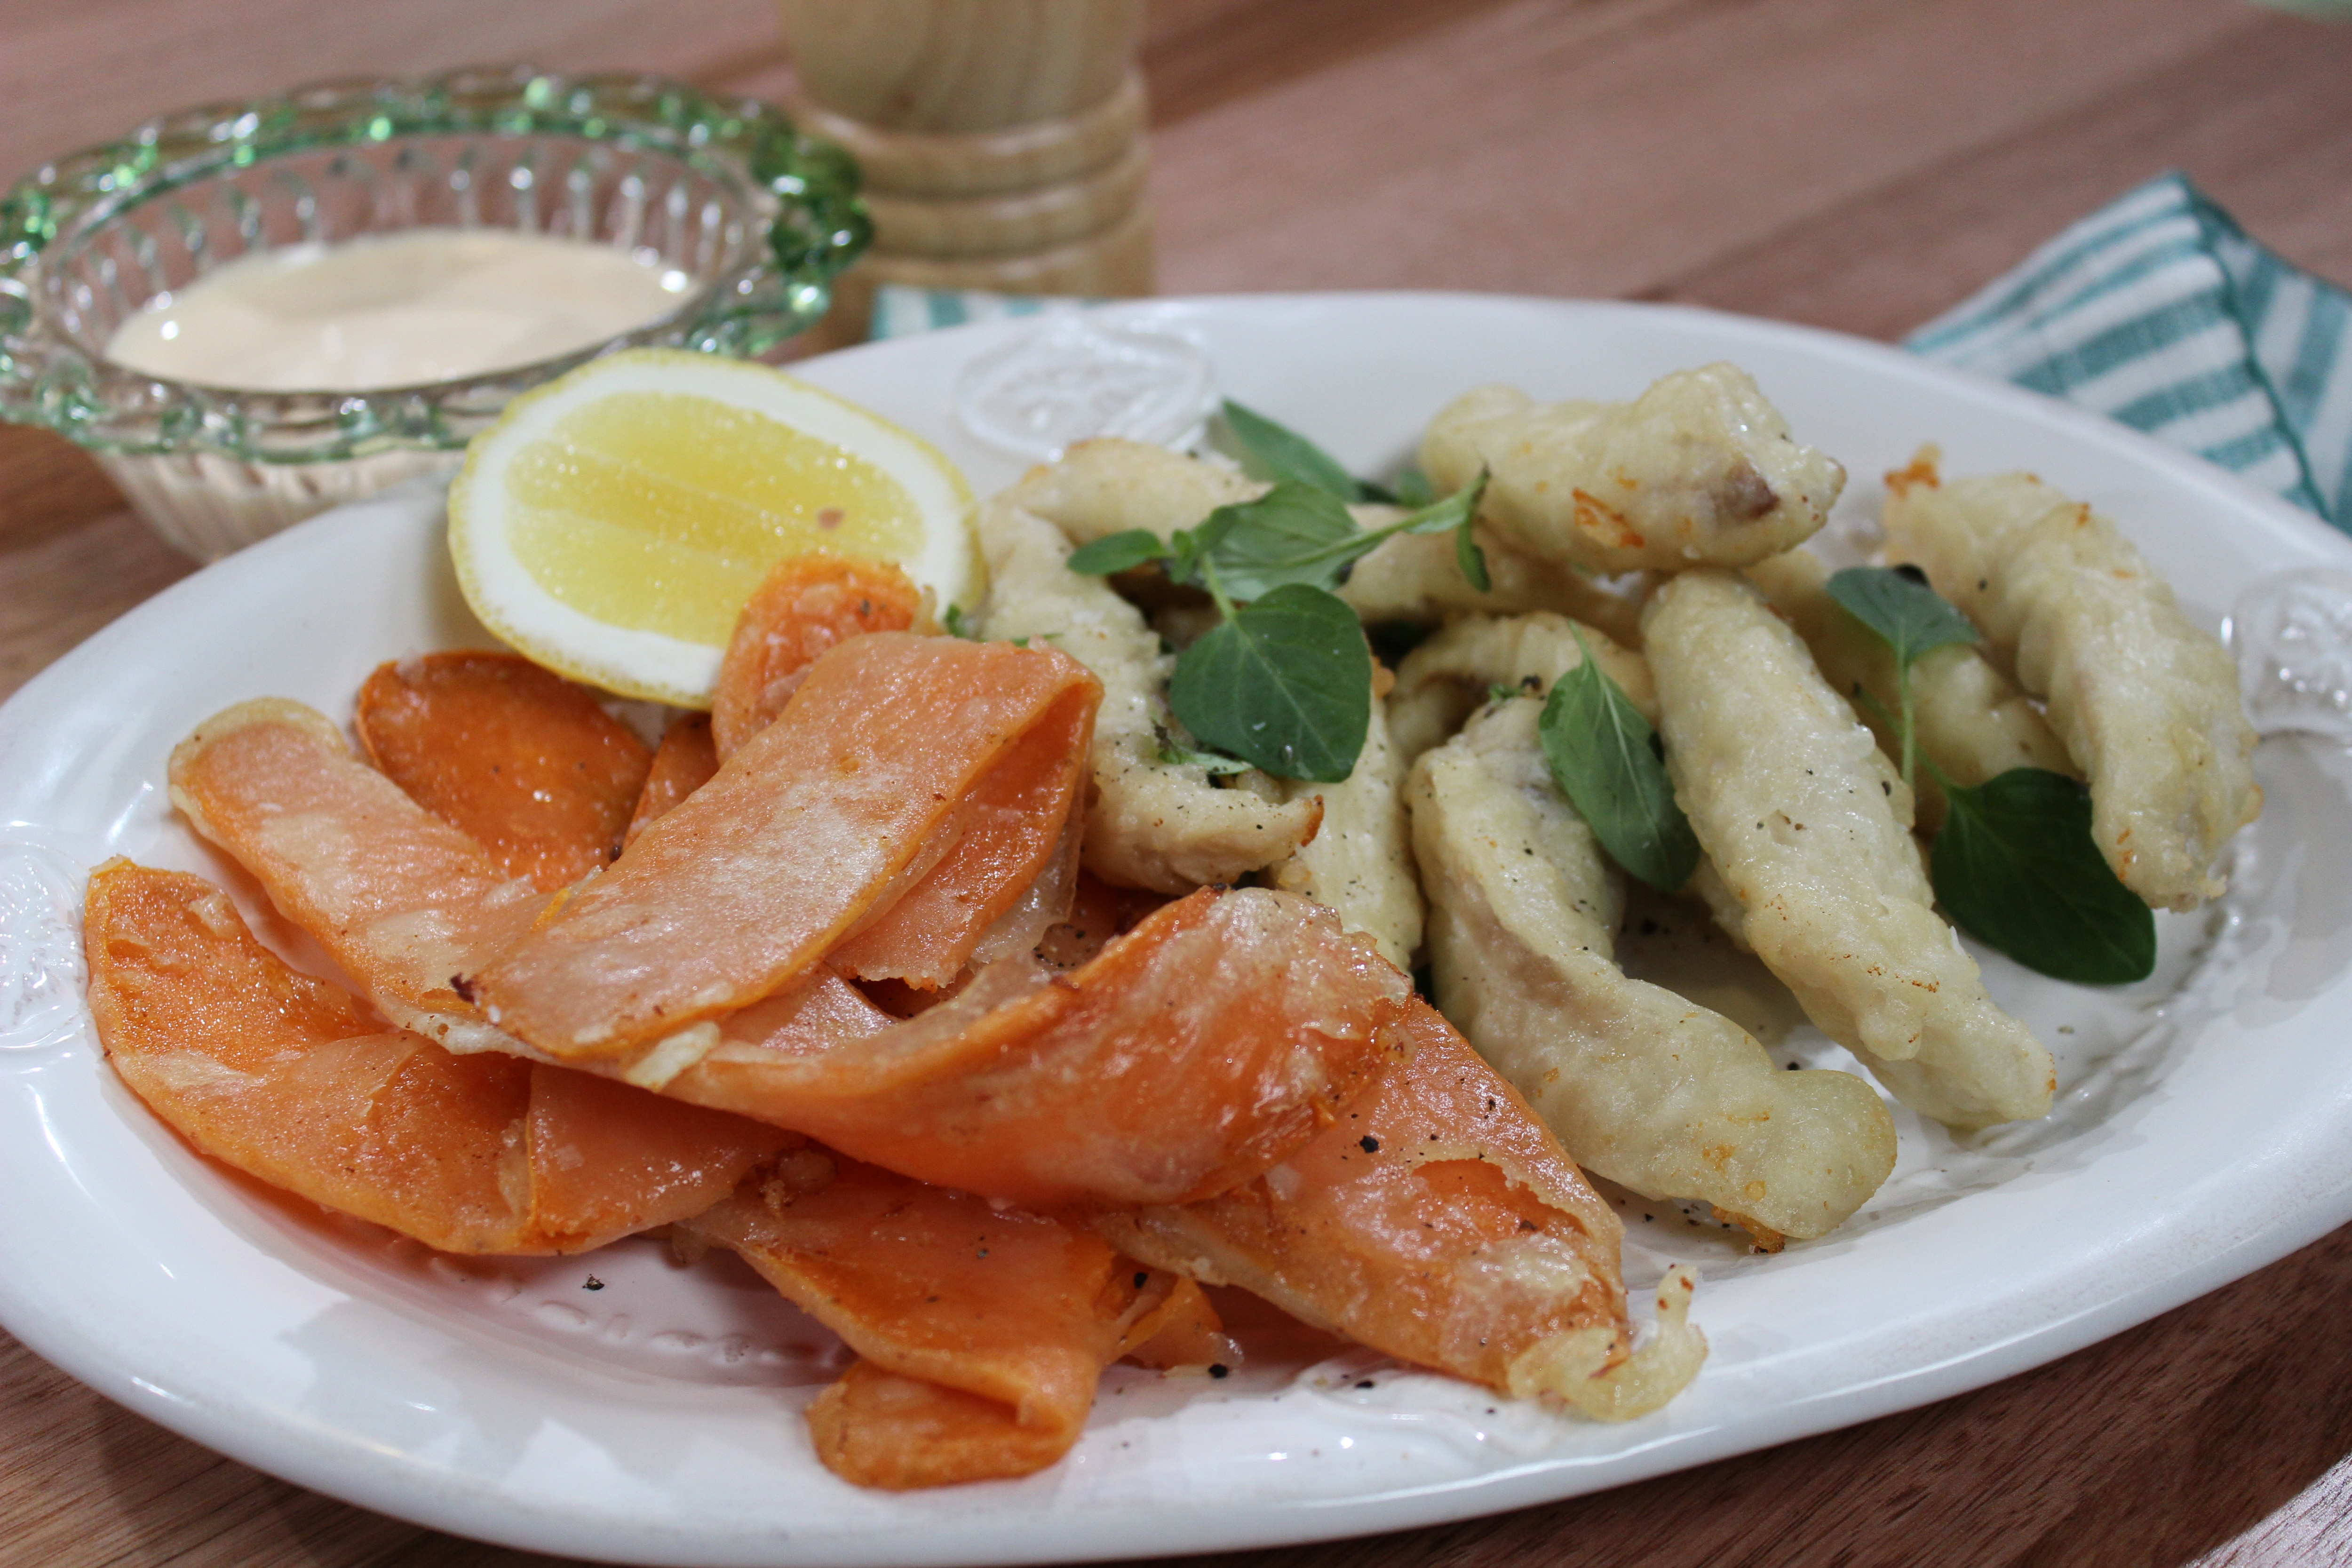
2157, 311
2160, 312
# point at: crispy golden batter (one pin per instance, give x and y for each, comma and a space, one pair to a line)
1698, 470
2147, 702
1446, 679
1809, 829
1152, 823
1649, 1090
1970, 718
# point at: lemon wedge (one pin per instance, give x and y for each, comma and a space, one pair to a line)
611, 525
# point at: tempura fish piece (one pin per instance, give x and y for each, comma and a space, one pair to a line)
2147, 702
1110, 486
805, 605
1446, 679
1649, 1090
1181, 1060
982, 1329
1439, 1222
289, 1080
909, 796
1968, 718
1152, 823
528, 764
1810, 828
1414, 578
1359, 862
1699, 470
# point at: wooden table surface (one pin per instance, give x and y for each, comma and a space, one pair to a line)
1854, 163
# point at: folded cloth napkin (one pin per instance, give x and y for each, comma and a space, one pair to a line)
2157, 311
2160, 312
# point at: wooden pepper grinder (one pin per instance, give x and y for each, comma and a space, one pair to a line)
1001, 141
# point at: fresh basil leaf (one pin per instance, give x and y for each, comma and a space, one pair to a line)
1286, 684
2015, 867
1606, 758
1118, 553
1912, 617
1457, 514
1293, 533
1177, 754
1445, 516
1271, 451
1472, 560
957, 624
1411, 488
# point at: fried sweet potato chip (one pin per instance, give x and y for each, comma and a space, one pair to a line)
984, 1330
1438, 1221
683, 763
288, 1079
528, 763
914, 786
1181, 1060
805, 606
1184, 1058
404, 901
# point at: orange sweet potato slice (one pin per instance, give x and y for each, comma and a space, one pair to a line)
1190, 1054
804, 606
1438, 1221
401, 900
525, 762
895, 750
682, 764
288, 1079
984, 1330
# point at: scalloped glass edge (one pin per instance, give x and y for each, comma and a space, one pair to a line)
817, 228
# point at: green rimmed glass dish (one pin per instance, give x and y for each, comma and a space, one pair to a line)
758, 216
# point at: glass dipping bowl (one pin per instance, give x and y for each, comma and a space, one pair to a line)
759, 217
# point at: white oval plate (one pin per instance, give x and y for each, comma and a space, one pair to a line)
2205, 1130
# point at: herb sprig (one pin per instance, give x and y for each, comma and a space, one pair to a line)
1611, 766
1272, 451
1284, 681
2014, 864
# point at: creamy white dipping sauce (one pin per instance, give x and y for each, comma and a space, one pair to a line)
428, 304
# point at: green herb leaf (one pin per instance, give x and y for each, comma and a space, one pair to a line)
1912, 617
1293, 533
2015, 867
1118, 553
1411, 488
957, 624
1176, 755
1271, 451
1457, 514
1286, 684
1609, 764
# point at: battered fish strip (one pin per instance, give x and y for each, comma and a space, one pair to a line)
2147, 702
1359, 862
1651, 1090
1153, 824
1699, 470
1108, 486
1810, 828
1968, 718
1446, 679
